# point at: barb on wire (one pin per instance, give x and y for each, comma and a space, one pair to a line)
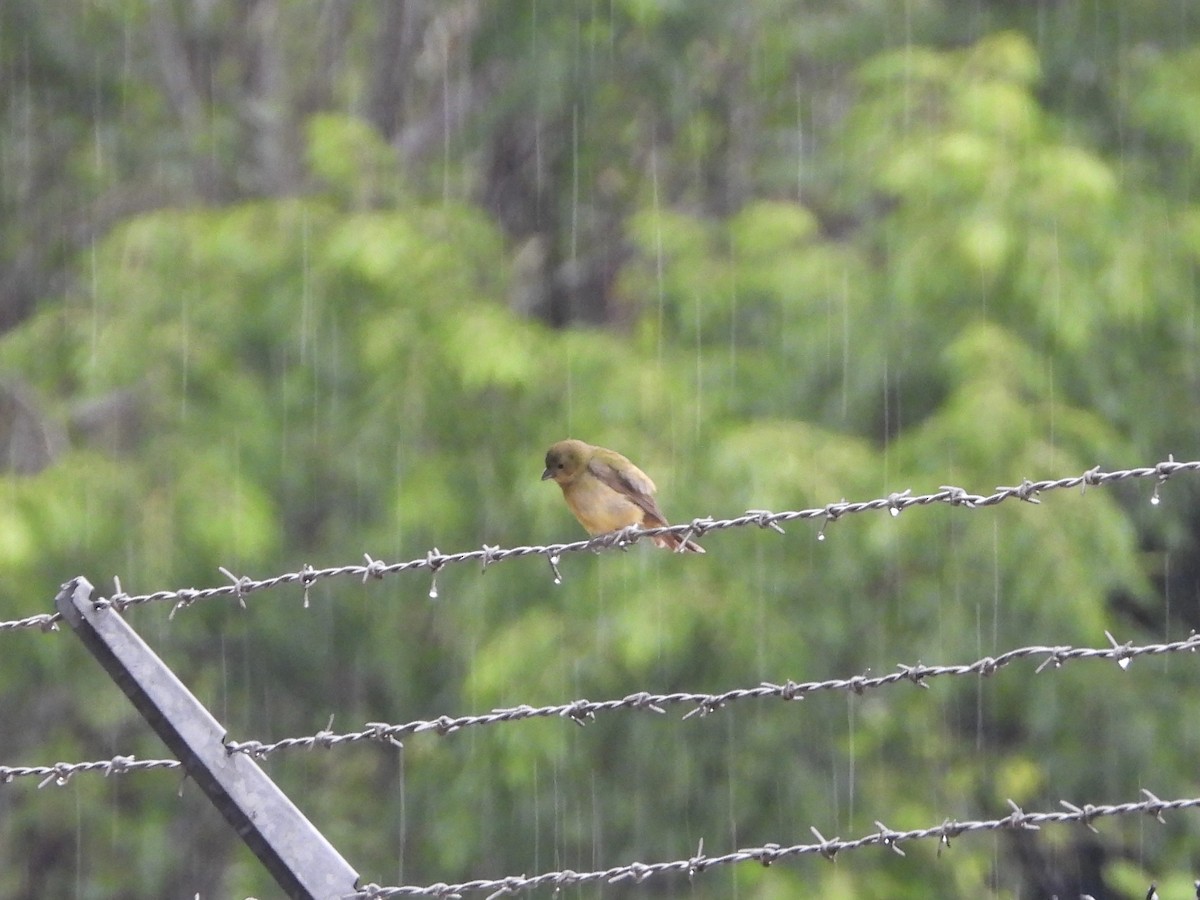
766, 855
434, 561
583, 711
44, 621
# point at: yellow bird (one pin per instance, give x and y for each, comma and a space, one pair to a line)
607, 492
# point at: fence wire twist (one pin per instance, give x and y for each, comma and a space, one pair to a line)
434, 560
637, 872
583, 711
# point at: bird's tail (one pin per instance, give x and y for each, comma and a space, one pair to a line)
675, 542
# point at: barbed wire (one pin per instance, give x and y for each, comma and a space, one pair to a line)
583, 711
60, 773
434, 560
766, 855
44, 621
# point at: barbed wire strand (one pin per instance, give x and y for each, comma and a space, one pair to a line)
434, 560
60, 773
766, 855
582, 711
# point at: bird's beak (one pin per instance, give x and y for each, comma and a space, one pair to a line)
547, 475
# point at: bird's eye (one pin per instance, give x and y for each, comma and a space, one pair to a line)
562, 465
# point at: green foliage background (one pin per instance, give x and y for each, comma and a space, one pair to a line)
841, 252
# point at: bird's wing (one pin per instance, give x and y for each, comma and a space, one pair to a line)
631, 482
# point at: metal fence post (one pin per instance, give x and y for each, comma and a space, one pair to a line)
304, 863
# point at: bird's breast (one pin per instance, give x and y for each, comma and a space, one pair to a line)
599, 508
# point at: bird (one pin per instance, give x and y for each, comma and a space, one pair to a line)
607, 492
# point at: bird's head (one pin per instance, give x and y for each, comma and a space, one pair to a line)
565, 460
